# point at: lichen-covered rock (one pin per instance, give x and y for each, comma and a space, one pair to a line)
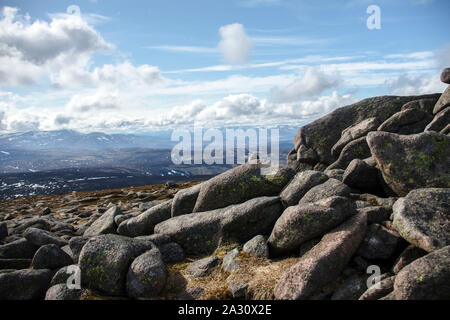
304, 222
423, 218
354, 132
62, 292
408, 121
361, 176
104, 262
203, 232
145, 223
62, 275
383, 288
76, 244
323, 263
202, 267
257, 246
356, 149
410, 254
329, 188
171, 252
184, 201
426, 105
41, 237
321, 135
445, 75
105, 224
229, 263
51, 257
240, 184
427, 278
299, 185
147, 275
440, 121
24, 284
413, 161
443, 102
379, 243
20, 248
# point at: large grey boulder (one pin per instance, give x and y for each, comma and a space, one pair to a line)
354, 132
257, 246
423, 216
323, 263
408, 121
52, 257
425, 105
329, 188
25, 284
147, 276
62, 292
299, 185
76, 244
105, 224
383, 288
413, 161
41, 237
361, 176
445, 75
184, 201
427, 278
240, 184
320, 136
21, 248
304, 222
105, 259
356, 149
203, 232
202, 267
443, 102
408, 255
440, 121
145, 223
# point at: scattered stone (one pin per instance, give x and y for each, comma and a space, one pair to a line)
352, 288
21, 248
304, 222
62, 292
299, 185
410, 254
329, 188
323, 263
427, 278
147, 276
240, 184
443, 102
41, 237
105, 224
422, 218
440, 121
238, 290
184, 201
25, 284
379, 243
104, 262
202, 267
145, 223
229, 263
411, 162
46, 211
357, 149
257, 246
361, 176
203, 232
172, 252
383, 288
51, 257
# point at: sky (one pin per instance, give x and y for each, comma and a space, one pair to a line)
140, 66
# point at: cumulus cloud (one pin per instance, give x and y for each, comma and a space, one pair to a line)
311, 84
407, 84
30, 50
235, 44
96, 102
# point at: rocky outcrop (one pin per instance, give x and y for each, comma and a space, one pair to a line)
299, 185
105, 224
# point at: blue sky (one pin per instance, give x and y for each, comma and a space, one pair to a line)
135, 66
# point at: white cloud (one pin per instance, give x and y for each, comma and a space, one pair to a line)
235, 44
191, 49
96, 102
407, 84
311, 84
